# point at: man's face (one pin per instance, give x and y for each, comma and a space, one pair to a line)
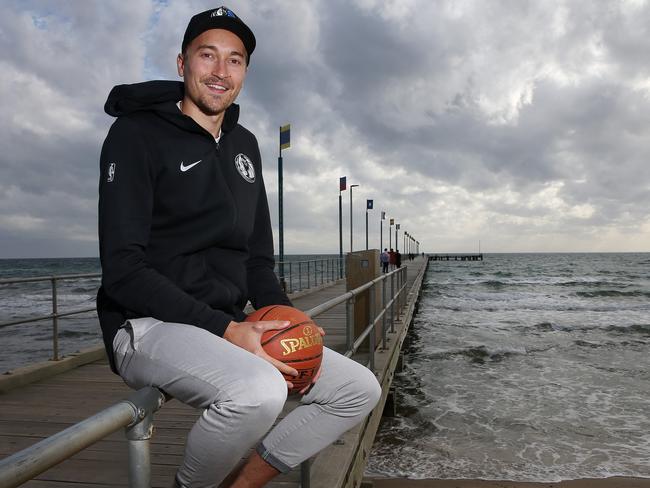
213, 67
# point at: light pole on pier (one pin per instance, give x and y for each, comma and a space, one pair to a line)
342, 186
396, 234
390, 230
351, 248
381, 231
368, 207
285, 143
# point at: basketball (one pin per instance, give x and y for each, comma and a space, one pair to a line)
300, 345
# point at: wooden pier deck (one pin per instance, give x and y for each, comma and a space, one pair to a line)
37, 410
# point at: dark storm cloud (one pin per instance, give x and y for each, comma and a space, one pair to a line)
522, 123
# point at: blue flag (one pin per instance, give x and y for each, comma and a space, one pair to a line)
369, 204
342, 183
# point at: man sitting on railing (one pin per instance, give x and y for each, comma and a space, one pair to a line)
185, 242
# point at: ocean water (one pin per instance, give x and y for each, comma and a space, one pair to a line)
25, 344
525, 367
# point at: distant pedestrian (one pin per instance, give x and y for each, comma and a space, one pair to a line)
391, 258
398, 258
384, 259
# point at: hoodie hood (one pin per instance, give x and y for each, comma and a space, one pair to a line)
160, 97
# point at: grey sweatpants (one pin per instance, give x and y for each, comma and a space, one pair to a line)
241, 396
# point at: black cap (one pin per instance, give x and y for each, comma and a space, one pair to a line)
219, 18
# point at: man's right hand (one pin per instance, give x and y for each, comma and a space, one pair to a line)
248, 335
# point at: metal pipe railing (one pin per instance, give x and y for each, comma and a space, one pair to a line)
315, 268
54, 295
135, 413
352, 344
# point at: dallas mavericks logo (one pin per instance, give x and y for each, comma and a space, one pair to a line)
223, 11
245, 167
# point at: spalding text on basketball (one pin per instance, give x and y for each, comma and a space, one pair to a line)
311, 337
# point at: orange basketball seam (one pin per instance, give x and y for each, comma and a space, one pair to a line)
282, 331
302, 359
273, 307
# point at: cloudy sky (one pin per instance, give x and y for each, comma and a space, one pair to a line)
524, 125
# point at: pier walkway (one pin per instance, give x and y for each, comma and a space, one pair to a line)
37, 410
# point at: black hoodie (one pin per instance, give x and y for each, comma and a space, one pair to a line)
184, 227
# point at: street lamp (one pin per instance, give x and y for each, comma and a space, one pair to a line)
369, 205
381, 231
351, 186
342, 187
285, 143
396, 234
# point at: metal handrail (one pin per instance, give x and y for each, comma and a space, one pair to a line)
46, 317
55, 315
400, 273
31, 279
136, 412
318, 269
354, 344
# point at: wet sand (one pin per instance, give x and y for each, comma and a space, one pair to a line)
616, 482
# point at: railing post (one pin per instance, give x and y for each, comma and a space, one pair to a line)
55, 322
398, 294
392, 303
383, 317
138, 435
308, 274
290, 278
300, 275
403, 288
349, 323
305, 474
405, 291
371, 337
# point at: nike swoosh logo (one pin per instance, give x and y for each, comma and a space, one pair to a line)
189, 166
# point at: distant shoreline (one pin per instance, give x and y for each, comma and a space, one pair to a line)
613, 482
345, 252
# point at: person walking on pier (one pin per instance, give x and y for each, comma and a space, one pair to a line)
391, 258
185, 242
384, 259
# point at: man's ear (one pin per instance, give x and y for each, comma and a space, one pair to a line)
180, 64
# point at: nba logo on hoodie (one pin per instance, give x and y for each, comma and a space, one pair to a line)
111, 172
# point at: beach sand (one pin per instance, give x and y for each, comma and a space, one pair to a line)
616, 482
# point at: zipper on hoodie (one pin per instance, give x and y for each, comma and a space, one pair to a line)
217, 150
